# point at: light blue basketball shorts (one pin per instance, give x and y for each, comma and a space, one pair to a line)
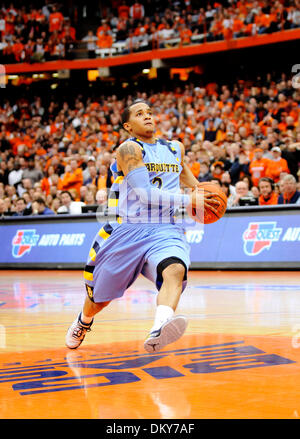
118, 255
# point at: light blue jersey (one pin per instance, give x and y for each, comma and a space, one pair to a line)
144, 236
163, 162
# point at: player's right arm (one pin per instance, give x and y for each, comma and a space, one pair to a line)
130, 162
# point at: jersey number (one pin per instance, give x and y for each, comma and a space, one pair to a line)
157, 180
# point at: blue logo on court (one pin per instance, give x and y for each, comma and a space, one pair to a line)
260, 236
76, 371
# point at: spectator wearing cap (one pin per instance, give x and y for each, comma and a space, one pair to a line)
267, 195
276, 165
289, 195
217, 170
86, 173
258, 166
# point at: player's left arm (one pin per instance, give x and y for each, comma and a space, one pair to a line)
187, 178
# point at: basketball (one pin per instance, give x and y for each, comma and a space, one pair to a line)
206, 215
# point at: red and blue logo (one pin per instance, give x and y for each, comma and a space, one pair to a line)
23, 241
260, 236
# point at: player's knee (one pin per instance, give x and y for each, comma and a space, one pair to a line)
97, 306
101, 305
174, 272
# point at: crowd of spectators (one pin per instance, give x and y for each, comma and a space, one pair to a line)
35, 35
244, 137
139, 29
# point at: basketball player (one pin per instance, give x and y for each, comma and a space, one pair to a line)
145, 238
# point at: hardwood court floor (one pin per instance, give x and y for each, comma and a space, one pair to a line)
239, 357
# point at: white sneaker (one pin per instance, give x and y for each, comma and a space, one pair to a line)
169, 332
76, 333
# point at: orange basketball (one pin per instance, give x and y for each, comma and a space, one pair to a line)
207, 216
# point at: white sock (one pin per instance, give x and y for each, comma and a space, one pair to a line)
85, 319
163, 313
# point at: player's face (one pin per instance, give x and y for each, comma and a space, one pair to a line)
141, 121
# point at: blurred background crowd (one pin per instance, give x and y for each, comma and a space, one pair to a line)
55, 156
37, 34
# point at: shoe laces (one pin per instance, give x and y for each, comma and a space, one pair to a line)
79, 331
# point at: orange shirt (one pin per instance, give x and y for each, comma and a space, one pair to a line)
237, 25
227, 33
261, 20
195, 168
55, 21
105, 41
45, 185
102, 29
17, 50
185, 36
123, 11
71, 32
257, 169
221, 136
275, 168
217, 27
282, 126
248, 29
73, 180
101, 182
270, 201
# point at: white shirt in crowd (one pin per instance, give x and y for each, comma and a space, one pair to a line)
73, 209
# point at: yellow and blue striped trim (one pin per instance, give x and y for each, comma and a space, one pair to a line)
88, 272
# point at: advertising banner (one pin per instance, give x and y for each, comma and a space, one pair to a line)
63, 243
256, 240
